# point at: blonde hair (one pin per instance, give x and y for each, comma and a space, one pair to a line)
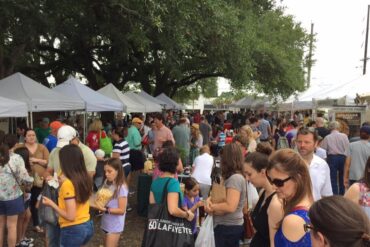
247, 131
204, 149
96, 125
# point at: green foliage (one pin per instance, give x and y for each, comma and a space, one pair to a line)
171, 46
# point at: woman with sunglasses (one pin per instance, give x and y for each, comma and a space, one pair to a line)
268, 211
228, 215
337, 221
288, 174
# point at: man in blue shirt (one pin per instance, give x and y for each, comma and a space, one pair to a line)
50, 142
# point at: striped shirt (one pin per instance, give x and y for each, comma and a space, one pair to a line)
123, 149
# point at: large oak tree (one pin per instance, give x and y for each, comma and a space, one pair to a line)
165, 45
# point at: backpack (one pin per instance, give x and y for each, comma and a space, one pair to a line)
282, 142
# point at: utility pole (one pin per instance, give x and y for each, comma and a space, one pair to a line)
310, 58
366, 39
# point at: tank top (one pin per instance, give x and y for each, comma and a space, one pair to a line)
260, 222
365, 198
281, 241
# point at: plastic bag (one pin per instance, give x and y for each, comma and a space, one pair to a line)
46, 213
206, 236
252, 195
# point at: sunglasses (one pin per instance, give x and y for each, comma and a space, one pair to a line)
308, 227
278, 182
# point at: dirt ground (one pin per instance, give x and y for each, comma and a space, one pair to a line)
131, 237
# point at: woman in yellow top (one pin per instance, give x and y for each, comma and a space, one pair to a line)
73, 201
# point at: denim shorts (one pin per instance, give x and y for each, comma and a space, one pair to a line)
77, 235
12, 207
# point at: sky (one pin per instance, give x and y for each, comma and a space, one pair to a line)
340, 27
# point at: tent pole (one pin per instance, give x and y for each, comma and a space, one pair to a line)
85, 124
31, 118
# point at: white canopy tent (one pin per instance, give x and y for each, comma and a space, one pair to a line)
129, 105
303, 100
94, 101
170, 103
150, 106
349, 90
152, 99
245, 102
38, 97
12, 108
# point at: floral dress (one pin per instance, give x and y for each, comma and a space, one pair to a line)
9, 187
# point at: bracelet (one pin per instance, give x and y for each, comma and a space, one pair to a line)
107, 210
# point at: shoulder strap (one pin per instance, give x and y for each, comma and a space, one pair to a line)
15, 177
165, 191
299, 208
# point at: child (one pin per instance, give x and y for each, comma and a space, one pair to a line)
76, 228
113, 219
192, 201
99, 170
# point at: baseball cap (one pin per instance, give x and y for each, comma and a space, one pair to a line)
137, 120
65, 134
56, 125
45, 120
99, 153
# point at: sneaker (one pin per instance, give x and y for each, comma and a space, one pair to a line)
24, 244
28, 240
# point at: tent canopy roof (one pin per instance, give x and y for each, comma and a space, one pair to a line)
38, 97
151, 98
150, 106
12, 108
129, 105
170, 103
94, 101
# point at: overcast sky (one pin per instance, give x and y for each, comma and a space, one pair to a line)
340, 32
340, 37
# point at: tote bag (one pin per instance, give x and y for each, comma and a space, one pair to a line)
105, 144
165, 230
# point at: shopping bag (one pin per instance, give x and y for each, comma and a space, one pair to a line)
206, 236
105, 144
218, 192
47, 214
165, 230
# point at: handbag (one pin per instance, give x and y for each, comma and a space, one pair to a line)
218, 190
47, 214
145, 140
105, 144
248, 224
165, 230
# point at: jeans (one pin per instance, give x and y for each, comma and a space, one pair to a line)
77, 235
336, 165
53, 235
228, 236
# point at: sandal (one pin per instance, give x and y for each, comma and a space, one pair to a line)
38, 229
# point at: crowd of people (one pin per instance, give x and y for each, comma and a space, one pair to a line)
299, 182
